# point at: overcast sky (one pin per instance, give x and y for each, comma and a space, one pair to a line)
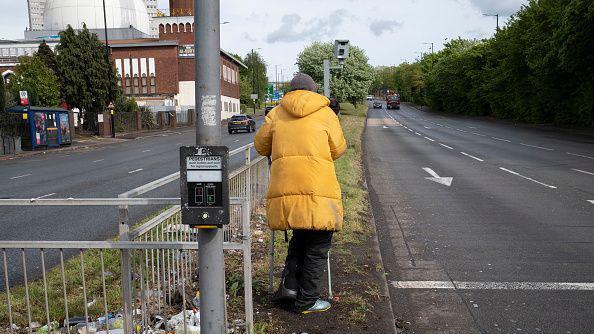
390, 31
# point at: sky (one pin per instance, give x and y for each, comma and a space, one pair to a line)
390, 31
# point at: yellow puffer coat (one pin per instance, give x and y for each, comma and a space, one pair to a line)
304, 137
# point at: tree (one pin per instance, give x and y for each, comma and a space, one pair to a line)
351, 83
254, 80
33, 76
88, 78
48, 56
2, 95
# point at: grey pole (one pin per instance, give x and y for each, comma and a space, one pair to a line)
208, 132
327, 78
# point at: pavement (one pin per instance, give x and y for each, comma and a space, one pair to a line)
92, 171
484, 226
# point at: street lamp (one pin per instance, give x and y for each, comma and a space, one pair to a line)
256, 80
429, 43
494, 15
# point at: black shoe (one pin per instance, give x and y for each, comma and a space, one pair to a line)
284, 294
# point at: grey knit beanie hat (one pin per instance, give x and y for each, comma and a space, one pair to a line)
302, 81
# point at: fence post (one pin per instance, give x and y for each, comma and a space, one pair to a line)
247, 266
248, 176
124, 229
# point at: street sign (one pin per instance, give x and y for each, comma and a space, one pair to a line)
254, 96
204, 185
24, 97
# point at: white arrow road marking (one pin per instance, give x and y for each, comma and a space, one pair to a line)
472, 156
135, 171
446, 181
20, 176
579, 155
582, 171
458, 285
527, 178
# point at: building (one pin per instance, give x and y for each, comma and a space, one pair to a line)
159, 72
36, 8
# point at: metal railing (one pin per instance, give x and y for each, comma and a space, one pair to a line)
158, 258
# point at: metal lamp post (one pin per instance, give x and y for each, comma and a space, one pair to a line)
496, 16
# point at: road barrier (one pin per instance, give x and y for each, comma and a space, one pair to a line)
158, 258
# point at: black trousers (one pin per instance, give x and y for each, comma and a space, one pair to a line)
305, 263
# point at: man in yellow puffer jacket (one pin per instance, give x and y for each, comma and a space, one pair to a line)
303, 137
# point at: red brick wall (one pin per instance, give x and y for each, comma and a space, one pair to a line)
166, 74
181, 7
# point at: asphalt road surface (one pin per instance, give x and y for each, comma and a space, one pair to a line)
97, 172
504, 246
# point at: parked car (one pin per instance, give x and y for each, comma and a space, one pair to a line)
393, 101
241, 122
369, 97
377, 104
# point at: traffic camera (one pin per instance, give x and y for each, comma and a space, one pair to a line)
341, 50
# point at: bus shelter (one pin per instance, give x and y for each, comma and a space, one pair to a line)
44, 126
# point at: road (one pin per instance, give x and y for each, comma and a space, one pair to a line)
97, 172
506, 245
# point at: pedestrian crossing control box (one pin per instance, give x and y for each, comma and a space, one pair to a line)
204, 185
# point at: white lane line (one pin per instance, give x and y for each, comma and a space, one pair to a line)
582, 171
429, 139
418, 134
98, 160
135, 171
527, 178
411, 130
236, 140
446, 146
478, 134
538, 147
579, 155
146, 151
591, 201
426, 127
472, 156
20, 176
462, 130
438, 124
44, 196
471, 127
460, 285
501, 139
178, 144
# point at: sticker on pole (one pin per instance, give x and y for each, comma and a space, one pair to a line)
24, 97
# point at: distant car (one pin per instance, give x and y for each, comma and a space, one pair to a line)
369, 97
393, 101
377, 104
267, 110
241, 122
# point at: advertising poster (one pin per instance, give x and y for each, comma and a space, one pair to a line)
40, 132
65, 129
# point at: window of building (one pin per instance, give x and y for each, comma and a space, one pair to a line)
128, 85
153, 84
224, 72
226, 106
136, 84
144, 84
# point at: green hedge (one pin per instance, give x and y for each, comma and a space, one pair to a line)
539, 68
